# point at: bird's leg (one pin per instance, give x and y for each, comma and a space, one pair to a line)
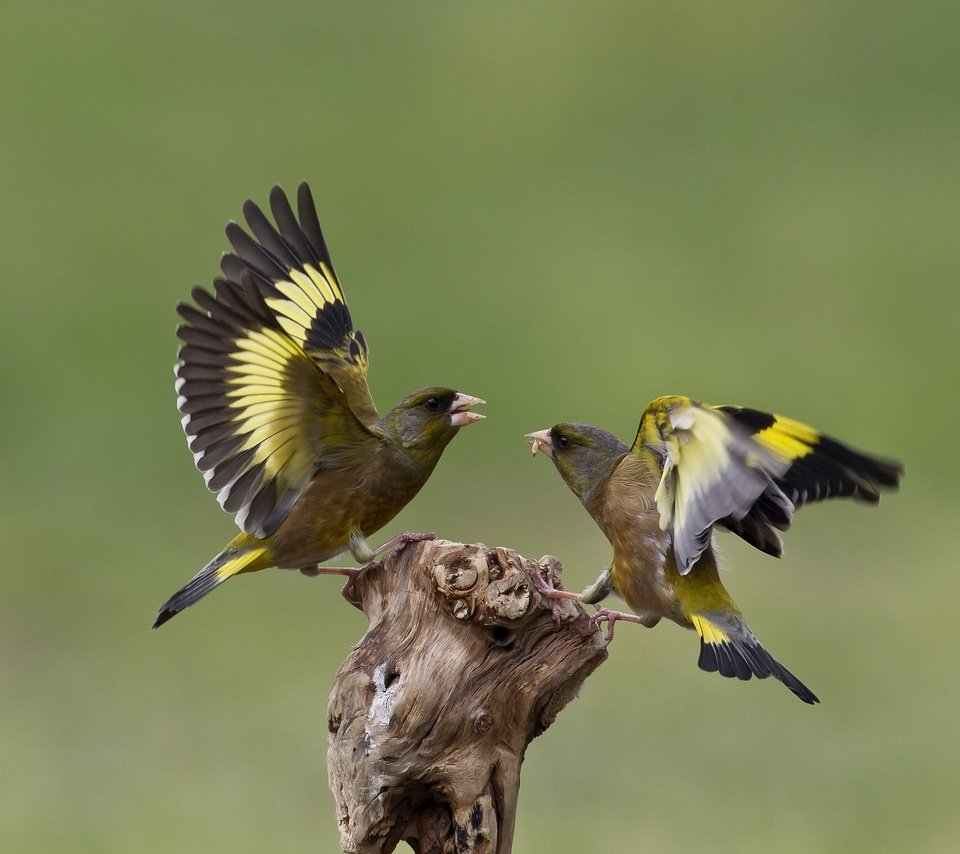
605, 615
600, 589
362, 553
314, 571
350, 571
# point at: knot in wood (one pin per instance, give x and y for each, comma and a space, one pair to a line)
460, 576
457, 574
486, 585
509, 598
482, 722
461, 609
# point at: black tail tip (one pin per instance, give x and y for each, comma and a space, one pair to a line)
804, 693
787, 678
163, 616
742, 661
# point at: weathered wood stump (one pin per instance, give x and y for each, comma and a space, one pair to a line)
431, 713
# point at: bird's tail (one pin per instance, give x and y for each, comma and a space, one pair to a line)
727, 646
235, 558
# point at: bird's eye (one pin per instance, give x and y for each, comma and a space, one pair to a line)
563, 442
432, 403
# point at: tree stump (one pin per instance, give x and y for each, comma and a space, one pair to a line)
431, 713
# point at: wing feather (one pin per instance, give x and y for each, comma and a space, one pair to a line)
711, 469
258, 451
747, 471
819, 468
259, 412
290, 268
272, 375
311, 250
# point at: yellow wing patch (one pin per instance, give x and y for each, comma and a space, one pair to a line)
262, 406
711, 469
304, 295
788, 439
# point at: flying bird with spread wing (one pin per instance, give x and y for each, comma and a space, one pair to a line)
272, 385
694, 468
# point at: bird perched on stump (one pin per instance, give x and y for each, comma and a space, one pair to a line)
272, 384
692, 468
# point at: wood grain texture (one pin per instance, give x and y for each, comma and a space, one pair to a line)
431, 713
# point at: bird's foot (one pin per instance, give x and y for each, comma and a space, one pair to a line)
546, 587
350, 571
398, 543
605, 615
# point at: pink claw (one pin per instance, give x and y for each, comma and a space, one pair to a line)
545, 587
401, 541
605, 615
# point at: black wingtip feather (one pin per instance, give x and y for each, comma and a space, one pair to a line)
756, 529
269, 237
255, 255
207, 338
310, 223
828, 470
291, 230
873, 470
231, 266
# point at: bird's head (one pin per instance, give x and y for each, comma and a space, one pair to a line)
582, 454
425, 421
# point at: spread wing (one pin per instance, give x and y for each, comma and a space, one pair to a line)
819, 468
291, 267
747, 471
712, 469
272, 375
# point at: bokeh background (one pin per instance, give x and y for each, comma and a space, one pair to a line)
568, 209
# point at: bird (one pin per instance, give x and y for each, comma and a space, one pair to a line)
272, 386
692, 469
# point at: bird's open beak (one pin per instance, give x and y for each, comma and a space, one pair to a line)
540, 441
460, 414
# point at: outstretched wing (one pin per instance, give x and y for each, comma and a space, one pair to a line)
747, 471
265, 369
291, 267
820, 468
712, 469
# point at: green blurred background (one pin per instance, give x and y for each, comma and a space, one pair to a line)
565, 208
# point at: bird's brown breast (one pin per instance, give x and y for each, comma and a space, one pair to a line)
363, 498
643, 570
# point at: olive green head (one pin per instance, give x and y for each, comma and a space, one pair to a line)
583, 454
426, 420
